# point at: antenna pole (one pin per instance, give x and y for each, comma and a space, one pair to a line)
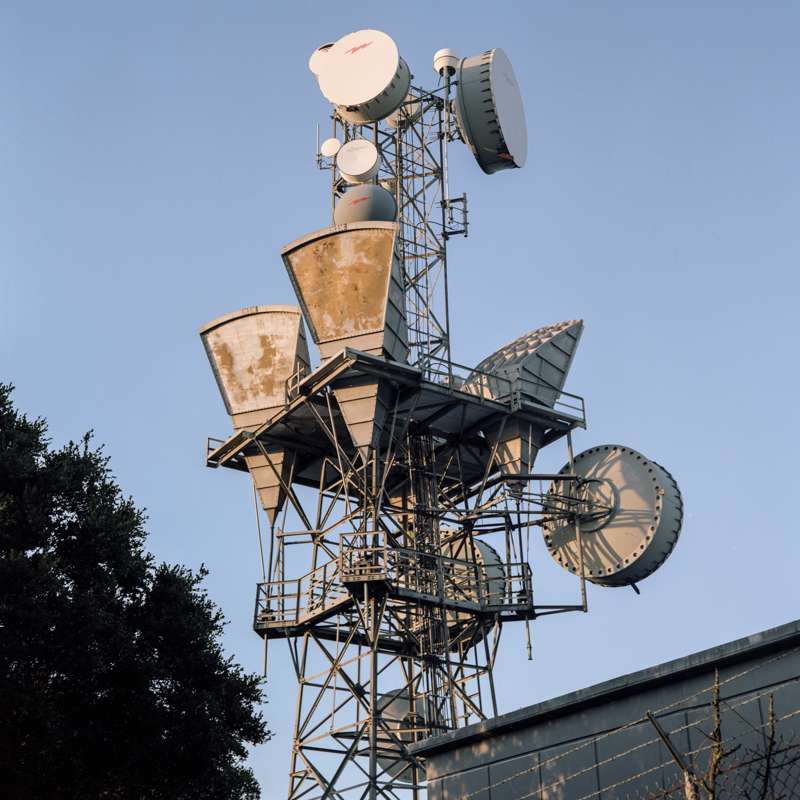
447, 215
577, 523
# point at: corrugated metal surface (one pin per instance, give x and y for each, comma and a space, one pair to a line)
534, 366
598, 743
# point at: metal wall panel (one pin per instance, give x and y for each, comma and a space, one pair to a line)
599, 743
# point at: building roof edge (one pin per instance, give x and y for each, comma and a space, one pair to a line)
782, 637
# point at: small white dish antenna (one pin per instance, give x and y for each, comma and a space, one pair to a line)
492, 123
409, 111
330, 147
363, 75
358, 161
315, 61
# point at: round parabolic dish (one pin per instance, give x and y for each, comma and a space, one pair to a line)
460, 572
315, 60
358, 161
630, 518
494, 126
397, 715
363, 75
365, 202
409, 111
330, 147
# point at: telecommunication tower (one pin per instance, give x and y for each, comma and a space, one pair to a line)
399, 485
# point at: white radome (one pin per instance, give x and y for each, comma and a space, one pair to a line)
445, 61
363, 75
358, 161
316, 60
365, 202
330, 147
489, 111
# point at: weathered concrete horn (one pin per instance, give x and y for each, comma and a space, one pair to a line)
349, 282
253, 352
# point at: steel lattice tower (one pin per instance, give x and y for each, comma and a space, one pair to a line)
398, 484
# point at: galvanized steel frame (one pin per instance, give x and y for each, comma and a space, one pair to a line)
367, 612
392, 588
413, 161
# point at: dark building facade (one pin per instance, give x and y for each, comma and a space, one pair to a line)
725, 720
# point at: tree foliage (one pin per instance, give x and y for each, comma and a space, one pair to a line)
113, 681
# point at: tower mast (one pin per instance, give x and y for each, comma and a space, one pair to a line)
399, 485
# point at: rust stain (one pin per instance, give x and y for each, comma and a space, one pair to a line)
344, 281
254, 357
273, 367
225, 361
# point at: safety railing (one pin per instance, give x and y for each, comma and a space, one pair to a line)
516, 593
293, 382
490, 386
486, 385
212, 444
289, 602
456, 582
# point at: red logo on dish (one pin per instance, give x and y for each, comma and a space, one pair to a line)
357, 48
358, 200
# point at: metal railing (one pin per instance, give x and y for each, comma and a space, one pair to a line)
288, 602
212, 443
491, 386
438, 578
478, 383
293, 383
457, 583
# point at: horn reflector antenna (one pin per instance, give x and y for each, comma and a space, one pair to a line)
253, 353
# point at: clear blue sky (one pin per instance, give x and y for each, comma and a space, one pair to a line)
156, 156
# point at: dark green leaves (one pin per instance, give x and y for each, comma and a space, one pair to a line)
113, 682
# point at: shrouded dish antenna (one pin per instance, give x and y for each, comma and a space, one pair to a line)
365, 202
315, 62
363, 75
358, 161
630, 513
405, 724
489, 111
409, 111
330, 147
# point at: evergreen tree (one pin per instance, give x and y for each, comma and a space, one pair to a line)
113, 681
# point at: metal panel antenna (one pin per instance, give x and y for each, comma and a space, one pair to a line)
400, 485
